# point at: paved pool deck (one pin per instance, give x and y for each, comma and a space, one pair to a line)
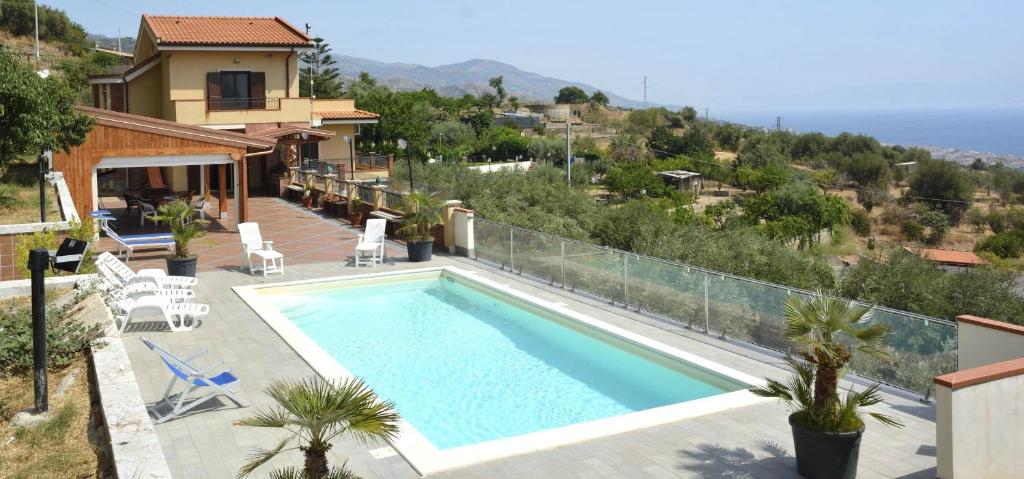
752, 441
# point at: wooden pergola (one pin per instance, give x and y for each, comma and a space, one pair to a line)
122, 140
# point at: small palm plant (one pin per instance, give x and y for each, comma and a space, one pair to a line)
422, 211
314, 412
831, 328
178, 215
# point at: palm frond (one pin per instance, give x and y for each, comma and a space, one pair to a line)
259, 457
274, 417
773, 389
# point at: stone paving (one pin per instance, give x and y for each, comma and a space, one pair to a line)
753, 441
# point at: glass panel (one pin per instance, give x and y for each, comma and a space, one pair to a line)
920, 351
234, 84
492, 242
538, 255
667, 290
749, 311
594, 271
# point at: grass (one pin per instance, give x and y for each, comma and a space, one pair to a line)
58, 448
19, 196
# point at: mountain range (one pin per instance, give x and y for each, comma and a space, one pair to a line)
470, 77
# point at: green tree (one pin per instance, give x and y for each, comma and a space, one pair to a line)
314, 412
944, 186
599, 98
728, 136
633, 180
937, 224
38, 114
498, 84
688, 113
324, 72
572, 94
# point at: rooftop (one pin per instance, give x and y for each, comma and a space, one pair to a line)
679, 174
348, 115
215, 30
948, 256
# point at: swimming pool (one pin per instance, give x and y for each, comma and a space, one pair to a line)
471, 365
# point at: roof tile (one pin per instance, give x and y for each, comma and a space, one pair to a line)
348, 115
205, 30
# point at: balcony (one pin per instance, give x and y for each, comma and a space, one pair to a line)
230, 104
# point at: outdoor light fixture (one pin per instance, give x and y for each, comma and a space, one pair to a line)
402, 144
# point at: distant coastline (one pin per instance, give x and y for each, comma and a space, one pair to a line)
957, 135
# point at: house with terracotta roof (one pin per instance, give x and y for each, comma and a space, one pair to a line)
235, 74
949, 259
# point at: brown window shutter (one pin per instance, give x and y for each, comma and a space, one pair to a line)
96, 96
258, 90
213, 92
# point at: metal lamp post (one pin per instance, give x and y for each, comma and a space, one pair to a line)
42, 187
351, 155
408, 159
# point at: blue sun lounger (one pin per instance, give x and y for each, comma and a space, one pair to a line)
182, 369
129, 243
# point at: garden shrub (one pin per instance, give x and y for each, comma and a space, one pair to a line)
1003, 245
28, 242
66, 338
912, 229
861, 223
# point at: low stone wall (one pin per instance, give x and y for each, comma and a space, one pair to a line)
9, 233
519, 165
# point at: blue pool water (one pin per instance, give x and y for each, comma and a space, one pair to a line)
463, 366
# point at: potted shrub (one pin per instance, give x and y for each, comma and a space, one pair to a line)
178, 215
827, 427
357, 211
422, 212
307, 192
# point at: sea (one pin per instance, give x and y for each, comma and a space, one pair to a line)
997, 131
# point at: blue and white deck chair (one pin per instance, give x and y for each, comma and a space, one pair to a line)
196, 379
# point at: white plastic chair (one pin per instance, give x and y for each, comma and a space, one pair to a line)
120, 291
199, 206
253, 244
371, 242
196, 378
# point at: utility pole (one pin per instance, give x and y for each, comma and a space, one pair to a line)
118, 40
645, 91
312, 94
778, 123
705, 114
568, 152
36, 6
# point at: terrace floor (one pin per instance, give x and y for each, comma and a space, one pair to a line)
753, 441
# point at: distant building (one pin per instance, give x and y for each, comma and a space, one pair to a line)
521, 121
560, 112
948, 259
910, 166
682, 180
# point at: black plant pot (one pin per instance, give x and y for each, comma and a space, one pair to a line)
419, 250
822, 455
182, 266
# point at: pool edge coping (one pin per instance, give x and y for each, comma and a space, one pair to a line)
426, 459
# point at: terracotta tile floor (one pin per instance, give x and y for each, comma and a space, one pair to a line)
303, 236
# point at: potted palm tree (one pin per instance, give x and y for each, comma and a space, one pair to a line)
357, 211
178, 215
422, 212
315, 412
827, 427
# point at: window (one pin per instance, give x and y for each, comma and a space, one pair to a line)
309, 151
234, 90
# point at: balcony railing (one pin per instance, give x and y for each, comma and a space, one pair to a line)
223, 104
375, 162
749, 310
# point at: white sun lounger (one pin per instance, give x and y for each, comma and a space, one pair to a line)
179, 316
113, 284
156, 276
196, 378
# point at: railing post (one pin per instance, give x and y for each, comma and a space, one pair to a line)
511, 250
707, 314
625, 280
562, 256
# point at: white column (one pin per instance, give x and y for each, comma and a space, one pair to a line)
234, 181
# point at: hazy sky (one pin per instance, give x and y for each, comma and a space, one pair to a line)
730, 56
